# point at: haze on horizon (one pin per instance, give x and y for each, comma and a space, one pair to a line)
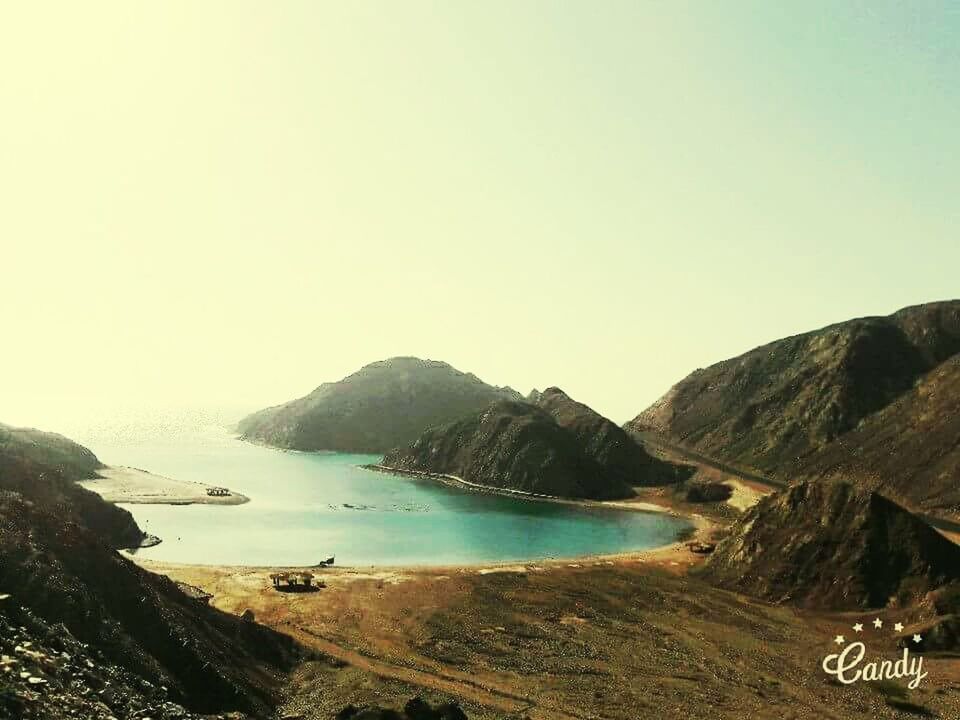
223, 205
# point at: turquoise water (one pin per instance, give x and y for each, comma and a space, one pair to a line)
307, 506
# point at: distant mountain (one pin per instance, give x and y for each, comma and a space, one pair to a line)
559, 447
621, 458
42, 468
831, 545
909, 450
384, 405
788, 399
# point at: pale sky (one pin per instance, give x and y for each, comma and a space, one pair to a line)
224, 204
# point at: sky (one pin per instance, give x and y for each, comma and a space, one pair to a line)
224, 204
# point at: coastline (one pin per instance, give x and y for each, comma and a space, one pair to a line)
455, 481
133, 486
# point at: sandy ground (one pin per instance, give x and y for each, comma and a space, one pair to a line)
130, 485
619, 637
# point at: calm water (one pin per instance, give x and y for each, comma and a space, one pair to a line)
305, 507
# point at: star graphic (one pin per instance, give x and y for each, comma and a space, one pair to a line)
898, 627
839, 640
858, 627
917, 638
878, 623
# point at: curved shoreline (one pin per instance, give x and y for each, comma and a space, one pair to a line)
455, 481
673, 553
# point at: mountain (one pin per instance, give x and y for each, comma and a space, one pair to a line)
909, 450
42, 468
557, 447
510, 445
383, 405
790, 398
829, 544
622, 460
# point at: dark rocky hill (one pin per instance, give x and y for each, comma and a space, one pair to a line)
42, 467
621, 458
790, 398
828, 544
48, 450
511, 445
909, 450
384, 405
65, 573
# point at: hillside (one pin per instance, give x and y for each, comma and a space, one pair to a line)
622, 460
64, 573
909, 451
832, 545
59, 565
49, 450
384, 405
790, 398
511, 445
42, 468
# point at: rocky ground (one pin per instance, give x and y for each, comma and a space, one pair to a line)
48, 674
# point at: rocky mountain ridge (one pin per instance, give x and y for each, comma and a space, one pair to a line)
775, 406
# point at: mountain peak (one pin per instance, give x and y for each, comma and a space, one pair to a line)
384, 404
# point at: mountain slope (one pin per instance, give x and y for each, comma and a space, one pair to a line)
909, 451
832, 545
511, 445
787, 399
42, 468
51, 451
381, 406
621, 458
58, 562
65, 573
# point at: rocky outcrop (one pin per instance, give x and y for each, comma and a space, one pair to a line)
415, 709
622, 460
829, 544
774, 406
384, 405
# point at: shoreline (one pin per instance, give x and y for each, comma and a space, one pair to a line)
459, 483
132, 486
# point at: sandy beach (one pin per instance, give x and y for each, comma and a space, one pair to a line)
120, 484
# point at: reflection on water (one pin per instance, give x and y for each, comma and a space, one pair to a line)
307, 506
